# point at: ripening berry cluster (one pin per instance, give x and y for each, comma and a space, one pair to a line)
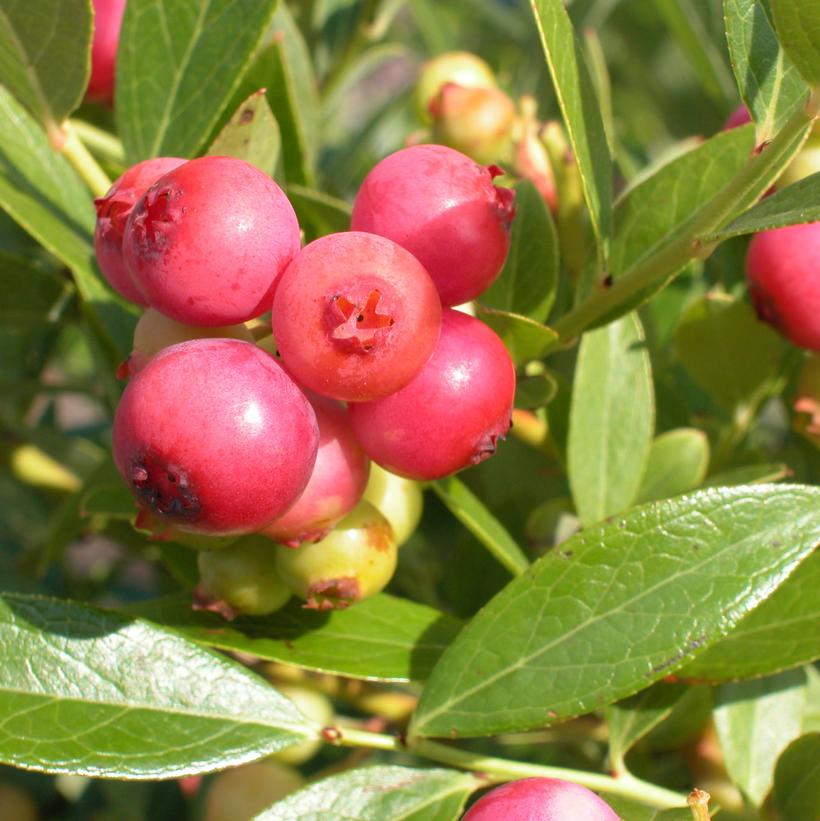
227, 429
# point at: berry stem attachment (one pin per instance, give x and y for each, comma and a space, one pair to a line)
680, 247
497, 770
74, 150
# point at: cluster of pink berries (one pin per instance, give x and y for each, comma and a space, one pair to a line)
364, 359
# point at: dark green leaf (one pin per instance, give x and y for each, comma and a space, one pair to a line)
41, 192
382, 638
582, 116
377, 794
88, 692
327, 214
45, 55
749, 475
472, 513
798, 27
622, 605
632, 811
535, 391
251, 135
677, 463
177, 66
31, 291
769, 84
755, 722
631, 719
795, 204
783, 632
525, 338
728, 351
612, 419
529, 278
797, 780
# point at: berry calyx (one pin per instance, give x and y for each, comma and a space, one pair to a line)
355, 316
354, 561
241, 579
444, 209
113, 211
452, 414
540, 799
335, 485
783, 275
212, 436
208, 241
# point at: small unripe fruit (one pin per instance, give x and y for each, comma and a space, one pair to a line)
461, 67
241, 579
155, 332
106, 40
113, 211
783, 274
335, 486
317, 708
240, 794
214, 437
399, 500
806, 163
354, 561
355, 316
207, 242
475, 121
452, 414
444, 209
540, 799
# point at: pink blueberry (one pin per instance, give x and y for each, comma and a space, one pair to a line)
214, 437
107, 22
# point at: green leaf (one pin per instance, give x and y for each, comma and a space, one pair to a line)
472, 513
623, 604
88, 692
376, 794
177, 66
612, 419
383, 638
749, 475
793, 205
41, 192
662, 204
783, 632
631, 719
45, 50
32, 292
770, 85
678, 461
327, 214
524, 338
728, 351
632, 811
528, 281
797, 780
798, 28
688, 29
252, 134
755, 722
535, 391
579, 107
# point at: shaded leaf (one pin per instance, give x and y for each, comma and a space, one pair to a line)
45, 50
252, 134
177, 66
473, 514
87, 692
678, 460
378, 793
535, 391
32, 293
798, 28
612, 419
755, 722
524, 338
327, 214
622, 605
382, 638
749, 475
797, 780
529, 278
769, 83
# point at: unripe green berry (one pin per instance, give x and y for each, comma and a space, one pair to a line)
314, 706
243, 577
806, 163
459, 67
398, 499
354, 561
